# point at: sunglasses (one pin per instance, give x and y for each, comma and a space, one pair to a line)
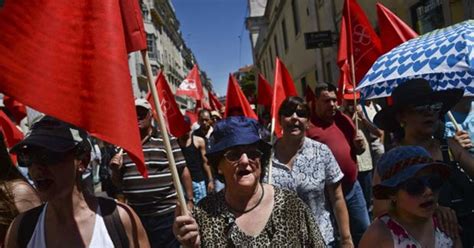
432, 108
41, 156
235, 155
416, 186
299, 112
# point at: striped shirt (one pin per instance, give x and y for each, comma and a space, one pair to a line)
156, 195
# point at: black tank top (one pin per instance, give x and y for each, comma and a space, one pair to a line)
194, 161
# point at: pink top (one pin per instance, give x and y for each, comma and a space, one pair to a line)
402, 239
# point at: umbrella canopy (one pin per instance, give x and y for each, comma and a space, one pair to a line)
444, 57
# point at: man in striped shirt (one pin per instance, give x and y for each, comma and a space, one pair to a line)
153, 199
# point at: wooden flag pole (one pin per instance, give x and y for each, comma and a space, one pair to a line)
270, 164
164, 132
455, 123
354, 91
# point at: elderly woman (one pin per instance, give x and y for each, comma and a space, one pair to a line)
411, 181
309, 168
246, 213
415, 116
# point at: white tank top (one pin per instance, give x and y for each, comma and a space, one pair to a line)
100, 236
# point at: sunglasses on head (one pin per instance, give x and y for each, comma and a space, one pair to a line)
299, 112
416, 186
433, 108
41, 156
236, 155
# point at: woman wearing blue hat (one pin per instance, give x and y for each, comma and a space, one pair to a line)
411, 180
246, 213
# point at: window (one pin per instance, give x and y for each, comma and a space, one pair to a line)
303, 84
275, 43
285, 38
150, 43
296, 20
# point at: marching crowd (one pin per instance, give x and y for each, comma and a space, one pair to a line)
340, 175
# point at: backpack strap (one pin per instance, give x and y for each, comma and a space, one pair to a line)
28, 225
113, 223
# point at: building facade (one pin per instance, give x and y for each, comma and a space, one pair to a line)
278, 27
167, 51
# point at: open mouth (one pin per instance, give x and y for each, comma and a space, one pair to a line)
43, 184
243, 173
427, 204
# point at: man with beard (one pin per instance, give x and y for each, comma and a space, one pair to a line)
336, 130
154, 199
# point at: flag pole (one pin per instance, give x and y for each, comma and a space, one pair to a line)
164, 132
353, 89
270, 163
455, 123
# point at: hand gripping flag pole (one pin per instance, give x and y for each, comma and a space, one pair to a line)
164, 132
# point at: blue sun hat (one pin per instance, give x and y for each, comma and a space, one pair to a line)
400, 164
235, 131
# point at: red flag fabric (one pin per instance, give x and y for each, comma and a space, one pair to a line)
169, 107
393, 31
236, 102
358, 39
133, 25
283, 87
191, 85
215, 103
12, 134
192, 115
264, 92
16, 108
68, 59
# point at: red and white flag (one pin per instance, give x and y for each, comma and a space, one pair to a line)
174, 118
282, 88
357, 39
68, 59
191, 85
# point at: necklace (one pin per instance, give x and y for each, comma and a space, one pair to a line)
252, 208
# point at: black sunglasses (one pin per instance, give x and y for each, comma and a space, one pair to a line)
235, 155
433, 108
40, 156
299, 112
142, 113
416, 186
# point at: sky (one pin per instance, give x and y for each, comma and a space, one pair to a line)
211, 28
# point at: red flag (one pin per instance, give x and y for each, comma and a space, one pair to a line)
191, 85
358, 39
264, 92
133, 25
68, 59
215, 104
12, 134
282, 88
192, 116
393, 31
236, 102
169, 107
16, 108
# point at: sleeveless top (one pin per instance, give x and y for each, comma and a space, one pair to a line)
194, 161
100, 236
402, 239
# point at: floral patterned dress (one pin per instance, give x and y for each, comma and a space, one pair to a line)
402, 239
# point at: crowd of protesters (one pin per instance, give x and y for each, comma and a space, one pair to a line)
400, 177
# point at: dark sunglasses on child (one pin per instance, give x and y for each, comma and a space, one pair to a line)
40, 156
416, 186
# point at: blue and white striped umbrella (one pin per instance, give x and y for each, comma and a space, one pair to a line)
444, 57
